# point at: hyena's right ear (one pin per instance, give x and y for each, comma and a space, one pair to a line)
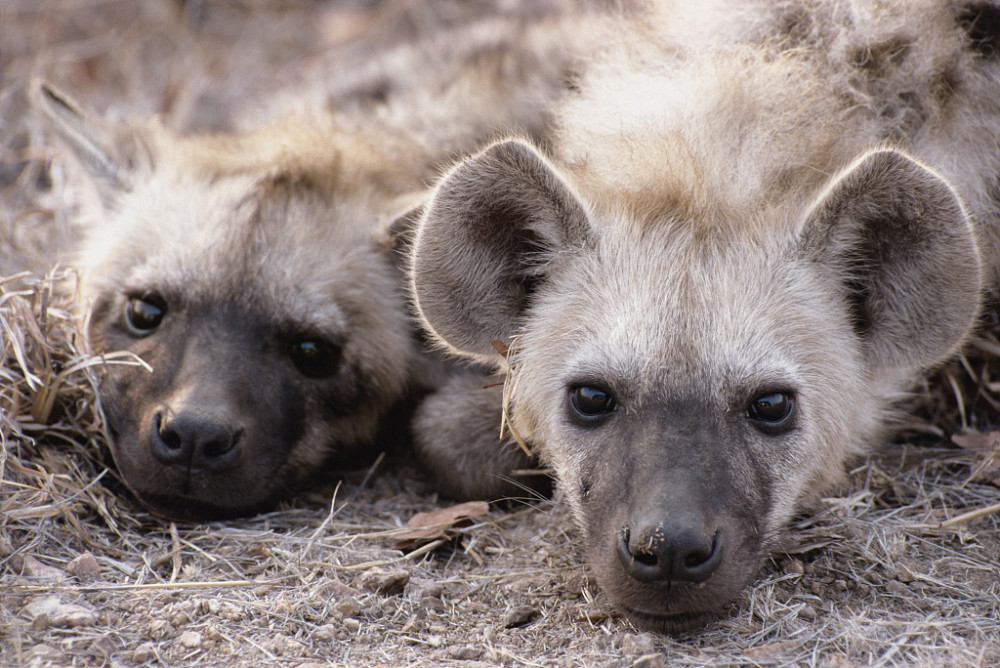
491, 232
895, 236
111, 154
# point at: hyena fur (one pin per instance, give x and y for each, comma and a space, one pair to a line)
757, 225
253, 271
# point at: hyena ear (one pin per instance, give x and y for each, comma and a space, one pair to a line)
897, 238
110, 154
395, 234
491, 232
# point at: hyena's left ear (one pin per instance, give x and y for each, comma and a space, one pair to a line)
111, 153
895, 236
495, 227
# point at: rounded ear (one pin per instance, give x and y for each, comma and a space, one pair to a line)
895, 236
492, 231
110, 154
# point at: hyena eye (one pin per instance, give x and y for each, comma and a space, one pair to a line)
591, 403
144, 314
316, 358
771, 410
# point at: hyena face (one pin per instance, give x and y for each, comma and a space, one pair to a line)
692, 380
270, 321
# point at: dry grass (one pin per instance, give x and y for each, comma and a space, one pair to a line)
901, 569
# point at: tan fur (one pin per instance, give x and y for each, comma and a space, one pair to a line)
258, 242
747, 204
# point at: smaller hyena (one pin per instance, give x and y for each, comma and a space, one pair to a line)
759, 223
252, 273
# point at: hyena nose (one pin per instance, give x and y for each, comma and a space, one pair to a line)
195, 440
661, 551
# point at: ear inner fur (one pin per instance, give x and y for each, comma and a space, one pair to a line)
887, 226
489, 236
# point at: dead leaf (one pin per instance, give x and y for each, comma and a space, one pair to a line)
431, 526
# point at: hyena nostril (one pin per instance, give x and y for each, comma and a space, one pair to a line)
662, 552
195, 440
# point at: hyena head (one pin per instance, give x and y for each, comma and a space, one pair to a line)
693, 381
250, 284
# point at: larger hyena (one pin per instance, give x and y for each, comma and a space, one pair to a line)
245, 269
756, 228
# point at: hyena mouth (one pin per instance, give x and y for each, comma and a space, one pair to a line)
660, 622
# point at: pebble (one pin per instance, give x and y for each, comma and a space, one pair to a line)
325, 633
384, 581
794, 567
419, 588
29, 566
84, 566
143, 653
190, 639
352, 625
348, 607
519, 616
895, 588
636, 644
465, 652
60, 614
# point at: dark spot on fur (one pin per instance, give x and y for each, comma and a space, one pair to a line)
981, 23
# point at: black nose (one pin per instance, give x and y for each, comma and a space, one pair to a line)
665, 550
195, 440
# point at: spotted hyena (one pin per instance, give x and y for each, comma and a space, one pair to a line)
757, 225
253, 272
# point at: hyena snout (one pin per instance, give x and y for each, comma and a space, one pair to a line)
667, 544
193, 439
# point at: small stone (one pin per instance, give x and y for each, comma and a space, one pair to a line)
47, 654
143, 653
59, 613
160, 629
794, 567
352, 625
209, 606
906, 573
5, 547
29, 566
348, 607
434, 641
519, 616
895, 588
432, 603
180, 619
649, 661
325, 633
84, 566
190, 639
384, 581
420, 588
465, 652
807, 612
638, 644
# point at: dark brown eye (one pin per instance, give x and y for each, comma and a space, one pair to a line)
772, 409
591, 403
144, 314
316, 357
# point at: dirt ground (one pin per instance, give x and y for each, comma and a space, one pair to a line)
901, 568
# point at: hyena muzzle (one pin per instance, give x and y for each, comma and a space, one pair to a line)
754, 232
252, 271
